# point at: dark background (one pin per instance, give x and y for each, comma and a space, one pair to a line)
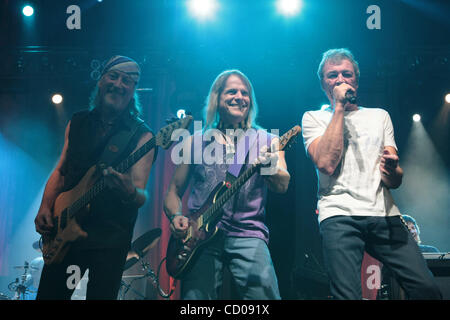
405, 69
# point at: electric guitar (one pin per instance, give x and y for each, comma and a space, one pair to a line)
202, 223
72, 207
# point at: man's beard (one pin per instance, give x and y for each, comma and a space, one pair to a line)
112, 103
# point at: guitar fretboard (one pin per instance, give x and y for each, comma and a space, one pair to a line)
100, 185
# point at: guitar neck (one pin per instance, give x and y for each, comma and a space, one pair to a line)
100, 185
215, 210
135, 156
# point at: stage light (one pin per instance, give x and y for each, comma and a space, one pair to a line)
416, 117
289, 7
28, 11
181, 113
447, 98
202, 9
57, 98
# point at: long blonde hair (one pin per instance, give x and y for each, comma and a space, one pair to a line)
210, 111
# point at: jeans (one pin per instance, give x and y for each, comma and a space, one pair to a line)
387, 239
249, 262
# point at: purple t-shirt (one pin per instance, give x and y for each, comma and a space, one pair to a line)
244, 212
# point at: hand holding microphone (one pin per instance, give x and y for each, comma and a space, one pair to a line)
344, 93
350, 96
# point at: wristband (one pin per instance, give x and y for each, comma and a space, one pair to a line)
171, 217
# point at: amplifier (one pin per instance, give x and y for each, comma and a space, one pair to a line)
439, 265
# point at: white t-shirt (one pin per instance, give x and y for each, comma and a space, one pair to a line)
355, 188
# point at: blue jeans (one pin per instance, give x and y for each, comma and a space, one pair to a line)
249, 262
387, 239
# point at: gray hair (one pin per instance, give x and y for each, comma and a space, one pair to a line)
335, 56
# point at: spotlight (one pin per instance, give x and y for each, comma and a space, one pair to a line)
416, 117
289, 7
181, 113
28, 11
202, 9
447, 98
57, 98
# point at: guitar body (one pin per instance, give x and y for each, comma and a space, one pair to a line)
67, 228
182, 252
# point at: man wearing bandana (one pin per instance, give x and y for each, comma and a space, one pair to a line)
114, 111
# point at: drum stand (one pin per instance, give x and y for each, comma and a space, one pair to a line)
19, 287
124, 287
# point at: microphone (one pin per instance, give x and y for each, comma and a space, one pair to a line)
350, 96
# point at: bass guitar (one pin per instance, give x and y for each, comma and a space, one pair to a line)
72, 207
202, 223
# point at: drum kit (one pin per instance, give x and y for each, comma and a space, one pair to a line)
23, 290
21, 287
139, 249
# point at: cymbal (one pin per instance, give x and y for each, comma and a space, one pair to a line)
26, 266
132, 258
141, 246
146, 241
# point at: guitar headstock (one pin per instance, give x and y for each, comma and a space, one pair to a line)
288, 138
163, 137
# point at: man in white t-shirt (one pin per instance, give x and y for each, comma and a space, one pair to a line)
355, 155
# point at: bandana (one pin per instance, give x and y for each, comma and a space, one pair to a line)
123, 64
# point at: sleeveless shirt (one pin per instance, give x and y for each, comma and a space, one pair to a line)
244, 212
109, 223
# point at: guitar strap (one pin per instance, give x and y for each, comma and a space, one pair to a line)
118, 143
246, 143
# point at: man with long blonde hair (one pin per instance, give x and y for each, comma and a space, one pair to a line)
211, 114
242, 242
